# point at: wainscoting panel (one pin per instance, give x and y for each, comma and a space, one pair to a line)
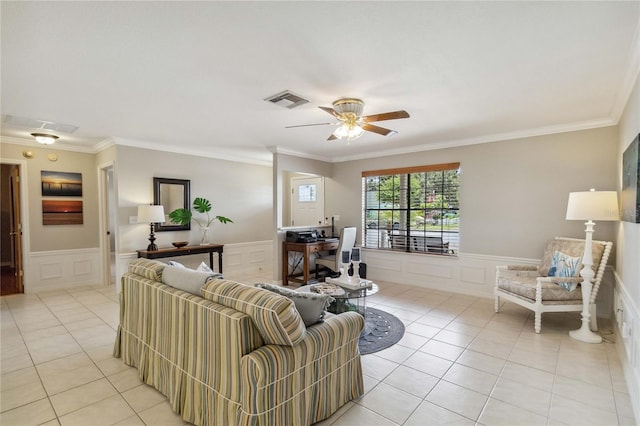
437, 271
627, 322
466, 273
52, 270
252, 257
473, 274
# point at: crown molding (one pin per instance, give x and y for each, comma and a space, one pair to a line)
541, 131
238, 156
280, 150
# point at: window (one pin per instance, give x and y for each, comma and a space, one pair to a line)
414, 209
307, 193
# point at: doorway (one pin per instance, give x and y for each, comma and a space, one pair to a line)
107, 222
11, 265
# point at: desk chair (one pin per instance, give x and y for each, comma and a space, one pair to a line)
333, 261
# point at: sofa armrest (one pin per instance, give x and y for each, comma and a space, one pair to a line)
326, 361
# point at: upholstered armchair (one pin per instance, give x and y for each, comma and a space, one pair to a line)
554, 285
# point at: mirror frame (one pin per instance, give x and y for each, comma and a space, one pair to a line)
186, 184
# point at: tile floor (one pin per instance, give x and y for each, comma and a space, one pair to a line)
458, 363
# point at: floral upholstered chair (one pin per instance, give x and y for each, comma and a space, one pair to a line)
554, 285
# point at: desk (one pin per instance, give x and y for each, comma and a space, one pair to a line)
186, 251
306, 249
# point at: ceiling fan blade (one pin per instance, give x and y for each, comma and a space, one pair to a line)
307, 125
386, 116
332, 137
331, 111
379, 130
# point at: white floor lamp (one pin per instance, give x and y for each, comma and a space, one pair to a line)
590, 205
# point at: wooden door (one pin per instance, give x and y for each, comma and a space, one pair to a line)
11, 231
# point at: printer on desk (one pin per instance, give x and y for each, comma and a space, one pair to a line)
302, 236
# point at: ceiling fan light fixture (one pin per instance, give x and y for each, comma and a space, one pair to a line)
348, 132
44, 138
349, 105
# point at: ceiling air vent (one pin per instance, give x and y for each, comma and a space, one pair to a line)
287, 99
39, 124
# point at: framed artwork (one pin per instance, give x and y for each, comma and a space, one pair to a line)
630, 197
61, 184
61, 212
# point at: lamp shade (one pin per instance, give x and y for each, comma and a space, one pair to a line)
593, 205
150, 214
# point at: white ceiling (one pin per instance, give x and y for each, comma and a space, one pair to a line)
192, 76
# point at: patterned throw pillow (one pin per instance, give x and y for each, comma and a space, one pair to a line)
563, 265
310, 306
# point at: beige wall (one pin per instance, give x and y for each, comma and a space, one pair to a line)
58, 237
628, 261
513, 194
242, 192
283, 167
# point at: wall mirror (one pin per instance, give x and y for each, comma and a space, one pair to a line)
172, 194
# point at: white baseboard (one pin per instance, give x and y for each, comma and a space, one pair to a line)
627, 312
53, 270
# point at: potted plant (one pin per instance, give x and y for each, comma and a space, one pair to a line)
200, 205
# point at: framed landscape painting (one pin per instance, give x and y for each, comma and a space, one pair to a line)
630, 197
59, 212
61, 184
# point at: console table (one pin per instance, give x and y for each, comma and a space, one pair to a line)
186, 251
306, 249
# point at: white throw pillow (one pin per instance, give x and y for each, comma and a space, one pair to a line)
203, 267
185, 279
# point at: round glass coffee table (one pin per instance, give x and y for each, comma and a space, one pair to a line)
347, 300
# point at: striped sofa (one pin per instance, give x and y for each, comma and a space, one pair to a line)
238, 355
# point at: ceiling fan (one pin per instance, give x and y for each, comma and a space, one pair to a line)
352, 124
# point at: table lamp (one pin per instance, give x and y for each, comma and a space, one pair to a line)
590, 205
151, 214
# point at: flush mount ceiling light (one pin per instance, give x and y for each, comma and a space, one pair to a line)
44, 138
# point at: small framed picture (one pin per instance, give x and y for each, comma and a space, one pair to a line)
355, 254
345, 256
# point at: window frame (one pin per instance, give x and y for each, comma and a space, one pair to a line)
400, 230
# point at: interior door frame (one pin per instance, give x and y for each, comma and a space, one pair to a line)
103, 220
24, 217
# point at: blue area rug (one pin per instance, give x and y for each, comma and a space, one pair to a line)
381, 330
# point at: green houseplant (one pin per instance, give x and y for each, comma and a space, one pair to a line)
200, 205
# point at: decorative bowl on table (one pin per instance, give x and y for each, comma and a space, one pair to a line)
178, 244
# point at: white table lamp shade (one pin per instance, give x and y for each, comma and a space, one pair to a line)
150, 214
593, 205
